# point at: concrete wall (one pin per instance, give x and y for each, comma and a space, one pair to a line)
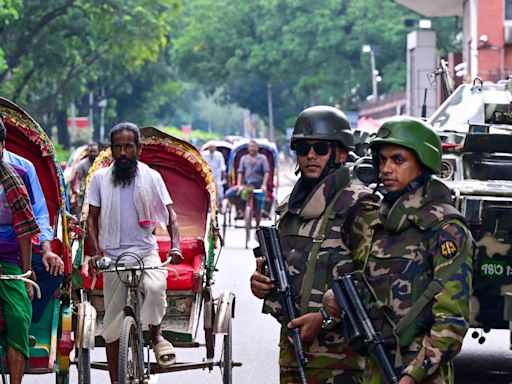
421, 59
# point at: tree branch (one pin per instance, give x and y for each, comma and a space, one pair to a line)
23, 44
26, 78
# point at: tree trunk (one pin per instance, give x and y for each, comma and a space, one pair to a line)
62, 128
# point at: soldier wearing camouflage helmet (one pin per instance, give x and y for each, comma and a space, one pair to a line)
322, 224
420, 261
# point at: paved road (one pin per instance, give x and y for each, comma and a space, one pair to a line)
255, 336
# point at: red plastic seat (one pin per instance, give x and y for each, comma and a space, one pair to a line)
188, 271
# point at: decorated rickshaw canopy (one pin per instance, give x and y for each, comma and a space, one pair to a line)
26, 138
218, 143
185, 173
222, 146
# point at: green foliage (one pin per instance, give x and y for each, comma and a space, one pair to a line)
62, 154
309, 52
200, 62
57, 51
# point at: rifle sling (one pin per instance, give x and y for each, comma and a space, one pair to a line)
307, 286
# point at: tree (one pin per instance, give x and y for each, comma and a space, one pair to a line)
309, 52
58, 51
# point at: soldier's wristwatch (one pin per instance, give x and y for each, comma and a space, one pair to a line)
328, 322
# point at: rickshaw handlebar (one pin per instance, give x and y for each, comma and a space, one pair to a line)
105, 265
25, 278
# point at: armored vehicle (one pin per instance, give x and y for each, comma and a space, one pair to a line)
475, 126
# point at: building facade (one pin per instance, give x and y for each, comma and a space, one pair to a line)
487, 31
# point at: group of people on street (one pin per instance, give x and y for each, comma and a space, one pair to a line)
403, 239
24, 226
409, 247
126, 201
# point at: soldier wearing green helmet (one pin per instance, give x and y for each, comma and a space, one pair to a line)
419, 263
323, 224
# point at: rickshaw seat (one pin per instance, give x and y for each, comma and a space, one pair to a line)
188, 271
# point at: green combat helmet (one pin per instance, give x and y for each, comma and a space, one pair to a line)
323, 123
413, 134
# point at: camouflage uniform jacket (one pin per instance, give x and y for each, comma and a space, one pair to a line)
347, 232
414, 241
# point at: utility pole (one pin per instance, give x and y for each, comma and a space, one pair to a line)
102, 105
270, 112
91, 110
374, 75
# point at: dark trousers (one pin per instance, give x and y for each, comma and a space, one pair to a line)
46, 282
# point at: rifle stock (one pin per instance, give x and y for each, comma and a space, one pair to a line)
354, 313
270, 251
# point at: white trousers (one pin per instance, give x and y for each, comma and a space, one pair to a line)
152, 310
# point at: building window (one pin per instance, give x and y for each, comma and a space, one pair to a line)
508, 9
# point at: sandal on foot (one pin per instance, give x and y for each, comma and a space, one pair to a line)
164, 348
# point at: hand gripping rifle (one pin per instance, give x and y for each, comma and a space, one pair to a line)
354, 315
270, 251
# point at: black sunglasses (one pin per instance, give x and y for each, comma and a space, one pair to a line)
321, 148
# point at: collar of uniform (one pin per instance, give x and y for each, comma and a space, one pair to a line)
416, 207
318, 199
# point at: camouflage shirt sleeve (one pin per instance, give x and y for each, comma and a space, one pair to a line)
450, 309
361, 232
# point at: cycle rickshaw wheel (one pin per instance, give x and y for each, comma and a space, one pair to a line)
227, 357
129, 369
84, 366
248, 222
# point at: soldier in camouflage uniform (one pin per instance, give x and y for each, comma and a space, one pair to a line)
322, 223
419, 237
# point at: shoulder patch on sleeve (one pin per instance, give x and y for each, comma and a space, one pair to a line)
448, 249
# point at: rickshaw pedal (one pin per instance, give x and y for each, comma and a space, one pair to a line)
32, 341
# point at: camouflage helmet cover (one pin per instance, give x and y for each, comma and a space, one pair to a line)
411, 133
323, 123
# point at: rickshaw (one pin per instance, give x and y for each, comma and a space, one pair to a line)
74, 197
268, 149
51, 341
189, 285
225, 148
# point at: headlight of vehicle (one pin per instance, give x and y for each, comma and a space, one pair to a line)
447, 169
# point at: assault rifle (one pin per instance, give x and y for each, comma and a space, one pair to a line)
354, 315
270, 251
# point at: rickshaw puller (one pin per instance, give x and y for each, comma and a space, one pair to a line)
17, 227
127, 200
252, 172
